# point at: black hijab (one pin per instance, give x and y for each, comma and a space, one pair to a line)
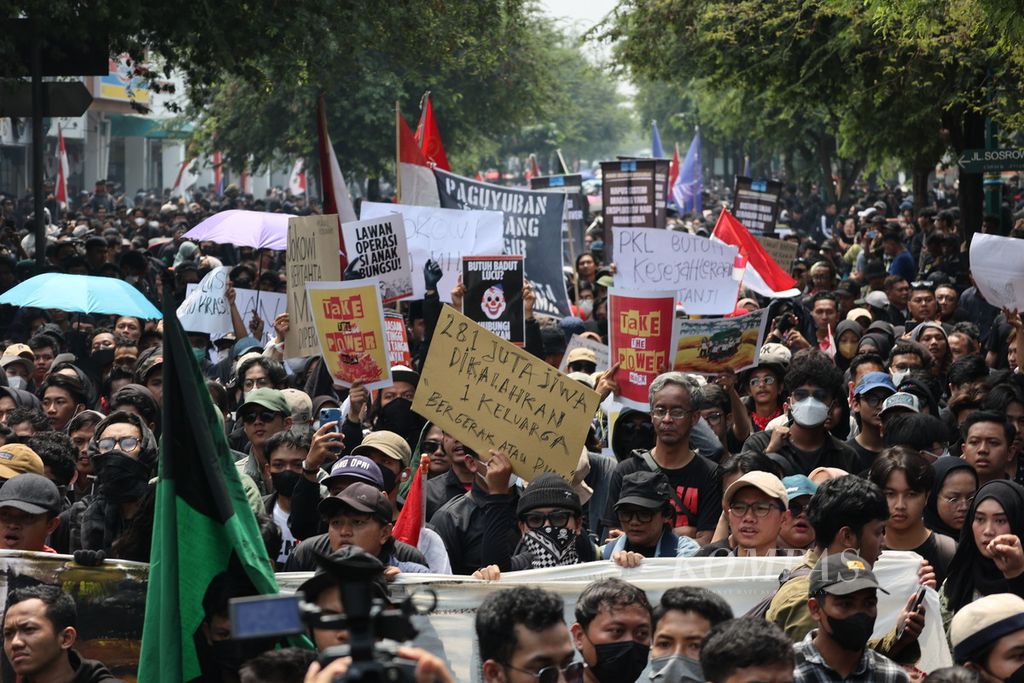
944, 467
970, 571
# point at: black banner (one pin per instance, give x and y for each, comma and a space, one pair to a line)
494, 295
633, 195
577, 213
756, 204
533, 230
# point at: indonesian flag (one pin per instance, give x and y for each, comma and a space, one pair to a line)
429, 137
763, 274
673, 168
297, 179
336, 197
61, 191
533, 169
828, 344
416, 181
413, 515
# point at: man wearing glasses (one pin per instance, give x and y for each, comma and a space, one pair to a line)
264, 413
756, 504
645, 516
872, 391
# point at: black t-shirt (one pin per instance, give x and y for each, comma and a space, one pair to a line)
864, 456
697, 485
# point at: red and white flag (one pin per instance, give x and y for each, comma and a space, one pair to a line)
413, 514
297, 179
61, 191
417, 183
673, 168
828, 344
763, 274
336, 197
429, 137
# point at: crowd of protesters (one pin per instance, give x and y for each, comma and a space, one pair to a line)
886, 413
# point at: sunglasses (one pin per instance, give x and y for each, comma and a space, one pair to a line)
642, 516
820, 394
796, 508
261, 416
573, 673
536, 520
430, 446
125, 443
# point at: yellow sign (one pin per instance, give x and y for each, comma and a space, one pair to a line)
312, 256
349, 322
490, 394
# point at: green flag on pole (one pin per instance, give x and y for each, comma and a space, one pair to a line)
202, 523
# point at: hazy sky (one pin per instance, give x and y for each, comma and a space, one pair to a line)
581, 14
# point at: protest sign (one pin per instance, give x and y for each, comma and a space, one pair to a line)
783, 252
712, 345
600, 352
533, 230
398, 339
490, 394
699, 269
997, 267
640, 328
349, 322
250, 303
633, 194
576, 208
205, 308
757, 204
494, 295
312, 256
444, 235
378, 248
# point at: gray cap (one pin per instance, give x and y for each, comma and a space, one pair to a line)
31, 493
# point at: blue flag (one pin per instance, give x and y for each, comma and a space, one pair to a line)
656, 150
686, 190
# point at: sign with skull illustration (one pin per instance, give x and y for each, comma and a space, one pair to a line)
494, 294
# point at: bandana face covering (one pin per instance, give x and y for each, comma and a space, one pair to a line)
551, 546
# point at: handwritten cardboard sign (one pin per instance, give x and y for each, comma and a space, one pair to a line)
349, 322
380, 246
250, 303
398, 339
205, 308
640, 325
312, 256
490, 394
712, 345
782, 252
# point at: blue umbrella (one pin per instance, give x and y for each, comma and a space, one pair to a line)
81, 293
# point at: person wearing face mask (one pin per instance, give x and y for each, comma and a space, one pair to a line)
813, 382
612, 631
847, 335
843, 601
285, 453
398, 418
988, 638
906, 356
681, 622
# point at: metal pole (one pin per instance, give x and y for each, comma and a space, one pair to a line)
37, 149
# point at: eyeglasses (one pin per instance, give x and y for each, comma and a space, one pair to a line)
642, 516
873, 400
958, 501
797, 509
258, 416
759, 509
820, 394
713, 417
125, 443
573, 673
558, 518
922, 284
660, 413
256, 383
430, 446
758, 381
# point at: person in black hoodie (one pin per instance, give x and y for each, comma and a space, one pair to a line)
39, 638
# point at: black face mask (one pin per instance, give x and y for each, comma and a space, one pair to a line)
121, 477
102, 357
398, 417
853, 632
284, 482
389, 479
636, 436
621, 662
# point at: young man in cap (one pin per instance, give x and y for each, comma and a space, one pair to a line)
988, 636
15, 459
755, 504
264, 413
645, 514
681, 621
843, 602
796, 531
868, 397
582, 359
391, 453
29, 509
747, 651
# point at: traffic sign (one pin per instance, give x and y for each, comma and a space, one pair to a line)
59, 99
987, 160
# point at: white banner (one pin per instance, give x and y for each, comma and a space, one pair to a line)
997, 267
382, 248
268, 306
205, 308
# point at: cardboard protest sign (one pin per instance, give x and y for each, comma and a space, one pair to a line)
757, 204
494, 295
574, 224
533, 230
205, 308
378, 248
712, 345
250, 303
349, 322
444, 235
633, 194
312, 256
600, 350
699, 269
490, 394
398, 339
783, 252
641, 340
997, 267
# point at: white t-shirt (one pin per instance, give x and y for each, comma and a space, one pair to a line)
288, 541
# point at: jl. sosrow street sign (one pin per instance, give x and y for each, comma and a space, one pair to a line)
985, 160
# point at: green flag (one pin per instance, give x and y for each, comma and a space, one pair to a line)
202, 520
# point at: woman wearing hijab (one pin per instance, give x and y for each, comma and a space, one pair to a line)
955, 485
989, 558
875, 342
847, 335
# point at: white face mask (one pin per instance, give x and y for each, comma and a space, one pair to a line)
140, 221
810, 412
898, 376
16, 382
586, 306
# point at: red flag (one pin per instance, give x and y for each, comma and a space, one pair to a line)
61, 191
336, 198
417, 184
181, 172
297, 179
673, 168
533, 170
413, 515
408, 148
763, 274
429, 137
218, 172
828, 344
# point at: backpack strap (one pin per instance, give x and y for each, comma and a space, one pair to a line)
655, 467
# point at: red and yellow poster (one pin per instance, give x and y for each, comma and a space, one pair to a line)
641, 328
398, 339
349, 322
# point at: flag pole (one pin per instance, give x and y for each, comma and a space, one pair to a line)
398, 155
561, 160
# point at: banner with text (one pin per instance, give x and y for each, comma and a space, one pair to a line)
783, 252
533, 230
444, 235
206, 308
494, 295
312, 256
576, 209
380, 247
700, 270
490, 394
398, 339
349, 322
640, 329
633, 194
251, 303
601, 352
756, 204
712, 345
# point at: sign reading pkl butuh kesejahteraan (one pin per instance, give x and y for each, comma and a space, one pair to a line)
492, 395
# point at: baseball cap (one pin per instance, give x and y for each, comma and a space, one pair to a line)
901, 400
25, 363
774, 354
20, 350
32, 493
300, 405
766, 482
358, 467
390, 444
151, 363
362, 497
842, 574
582, 354
331, 568
976, 626
858, 313
875, 380
401, 373
877, 299
799, 485
606, 281
265, 397
644, 489
16, 458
